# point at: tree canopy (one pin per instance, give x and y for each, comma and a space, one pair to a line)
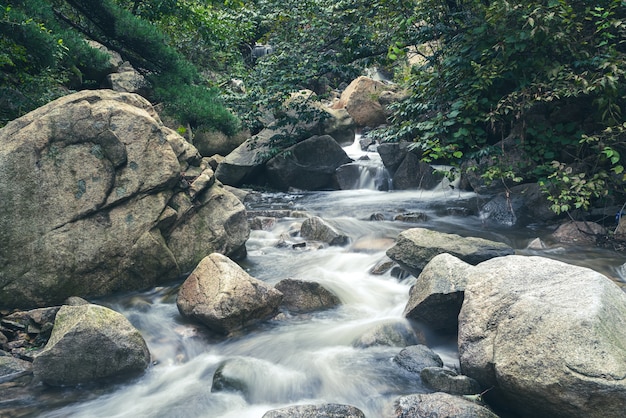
545, 75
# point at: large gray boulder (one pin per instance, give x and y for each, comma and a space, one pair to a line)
578, 233
225, 298
329, 410
548, 336
415, 174
210, 143
308, 165
91, 202
406, 168
431, 405
518, 205
415, 247
246, 163
436, 297
90, 342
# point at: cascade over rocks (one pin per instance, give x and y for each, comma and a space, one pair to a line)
91, 202
225, 298
308, 165
90, 342
548, 336
249, 376
415, 247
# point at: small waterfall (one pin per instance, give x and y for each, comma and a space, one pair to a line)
366, 172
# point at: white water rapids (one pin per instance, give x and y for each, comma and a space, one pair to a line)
299, 359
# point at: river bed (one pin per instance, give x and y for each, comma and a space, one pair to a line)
309, 358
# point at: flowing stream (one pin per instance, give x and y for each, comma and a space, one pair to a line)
309, 358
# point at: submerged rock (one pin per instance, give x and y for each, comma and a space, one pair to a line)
225, 298
301, 296
390, 333
329, 410
89, 343
415, 358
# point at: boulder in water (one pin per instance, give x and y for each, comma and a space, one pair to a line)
518, 205
316, 229
548, 336
415, 174
301, 296
415, 358
415, 247
308, 165
88, 343
436, 297
425, 405
392, 333
449, 381
578, 233
225, 298
246, 163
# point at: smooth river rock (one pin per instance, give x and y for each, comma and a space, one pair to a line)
225, 298
89, 343
415, 247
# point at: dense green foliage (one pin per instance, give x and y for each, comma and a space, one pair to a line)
548, 75
44, 28
544, 75
319, 45
39, 57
